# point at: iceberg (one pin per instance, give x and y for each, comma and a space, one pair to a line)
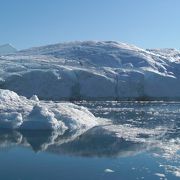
20, 113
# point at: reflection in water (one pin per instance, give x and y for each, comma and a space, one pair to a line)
99, 142
134, 129
95, 142
9, 138
102, 141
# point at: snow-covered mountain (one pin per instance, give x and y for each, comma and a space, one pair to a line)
7, 49
92, 70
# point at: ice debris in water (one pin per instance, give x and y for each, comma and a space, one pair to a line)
18, 112
160, 175
108, 171
136, 134
41, 118
35, 98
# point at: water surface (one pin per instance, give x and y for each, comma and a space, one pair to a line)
135, 140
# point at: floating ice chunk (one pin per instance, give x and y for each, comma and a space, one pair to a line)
6, 95
20, 112
160, 175
84, 119
42, 119
34, 98
108, 171
175, 170
136, 134
11, 120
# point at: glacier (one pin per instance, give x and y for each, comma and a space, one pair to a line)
92, 70
32, 81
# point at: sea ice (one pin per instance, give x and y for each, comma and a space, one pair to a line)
17, 112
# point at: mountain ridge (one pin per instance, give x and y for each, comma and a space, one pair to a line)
7, 49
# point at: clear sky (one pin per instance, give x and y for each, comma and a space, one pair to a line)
145, 23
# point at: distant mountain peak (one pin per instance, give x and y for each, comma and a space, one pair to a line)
7, 49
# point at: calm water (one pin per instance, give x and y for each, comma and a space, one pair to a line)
135, 140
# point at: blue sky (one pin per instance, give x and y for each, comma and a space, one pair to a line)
145, 23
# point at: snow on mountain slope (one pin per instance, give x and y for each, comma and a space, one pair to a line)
172, 54
7, 49
18, 112
92, 70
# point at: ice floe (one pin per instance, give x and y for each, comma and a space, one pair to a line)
17, 112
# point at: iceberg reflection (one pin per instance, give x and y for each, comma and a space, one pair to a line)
97, 142
106, 141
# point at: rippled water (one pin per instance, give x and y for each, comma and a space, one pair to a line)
135, 140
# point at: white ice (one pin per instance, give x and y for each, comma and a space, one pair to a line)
18, 112
92, 70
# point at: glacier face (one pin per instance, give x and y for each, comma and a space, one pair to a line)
92, 70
